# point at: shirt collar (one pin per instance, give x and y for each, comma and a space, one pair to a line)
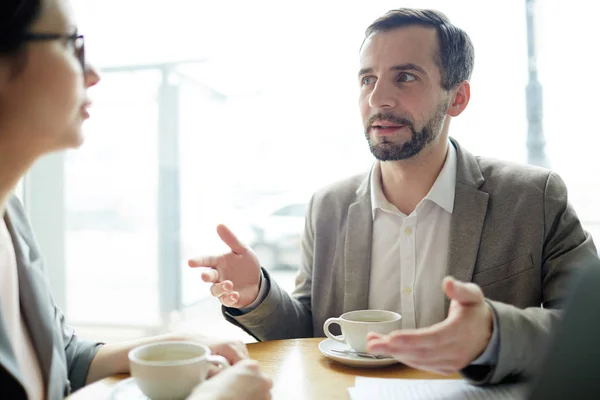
441, 193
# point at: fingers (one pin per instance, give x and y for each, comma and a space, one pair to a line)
231, 240
374, 335
464, 293
441, 360
240, 349
436, 335
204, 261
244, 380
224, 292
212, 371
209, 265
254, 368
422, 353
429, 348
444, 348
230, 300
210, 275
250, 365
220, 289
234, 352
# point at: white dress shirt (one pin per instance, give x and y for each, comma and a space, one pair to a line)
409, 257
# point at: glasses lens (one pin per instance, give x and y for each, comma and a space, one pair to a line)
80, 50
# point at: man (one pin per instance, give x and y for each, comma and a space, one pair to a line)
429, 215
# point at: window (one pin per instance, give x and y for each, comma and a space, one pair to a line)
293, 210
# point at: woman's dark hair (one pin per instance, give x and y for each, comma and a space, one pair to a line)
16, 16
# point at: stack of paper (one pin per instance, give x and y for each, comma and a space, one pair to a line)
431, 389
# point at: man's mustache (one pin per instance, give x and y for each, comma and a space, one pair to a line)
388, 117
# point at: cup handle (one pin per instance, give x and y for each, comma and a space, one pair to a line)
219, 361
330, 335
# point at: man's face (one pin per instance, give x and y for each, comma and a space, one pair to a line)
402, 103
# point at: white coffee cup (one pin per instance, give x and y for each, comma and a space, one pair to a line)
171, 370
357, 324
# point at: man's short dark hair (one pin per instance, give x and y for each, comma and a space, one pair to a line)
455, 56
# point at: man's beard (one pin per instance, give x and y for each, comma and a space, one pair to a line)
387, 150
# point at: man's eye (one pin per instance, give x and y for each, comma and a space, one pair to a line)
404, 77
367, 80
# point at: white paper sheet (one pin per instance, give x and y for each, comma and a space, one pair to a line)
431, 389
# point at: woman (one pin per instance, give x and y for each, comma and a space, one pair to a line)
43, 103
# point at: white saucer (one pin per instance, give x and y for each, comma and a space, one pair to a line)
326, 345
127, 389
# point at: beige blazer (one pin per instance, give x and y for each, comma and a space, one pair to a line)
512, 232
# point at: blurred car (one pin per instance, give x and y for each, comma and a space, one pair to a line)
276, 232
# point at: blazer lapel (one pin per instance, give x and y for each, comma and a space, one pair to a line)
357, 251
468, 217
34, 298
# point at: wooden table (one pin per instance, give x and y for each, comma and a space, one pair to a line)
299, 372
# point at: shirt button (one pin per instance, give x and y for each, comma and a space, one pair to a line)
408, 231
407, 290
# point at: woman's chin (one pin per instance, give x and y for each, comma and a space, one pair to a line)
73, 141
78, 142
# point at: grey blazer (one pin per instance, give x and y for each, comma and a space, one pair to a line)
512, 232
64, 359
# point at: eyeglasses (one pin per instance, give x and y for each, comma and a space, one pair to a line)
76, 40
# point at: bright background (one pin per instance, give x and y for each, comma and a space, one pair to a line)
237, 111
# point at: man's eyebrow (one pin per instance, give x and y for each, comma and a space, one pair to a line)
364, 71
408, 67
399, 67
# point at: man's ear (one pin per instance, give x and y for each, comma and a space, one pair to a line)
460, 98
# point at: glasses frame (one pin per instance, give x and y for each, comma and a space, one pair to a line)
77, 39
